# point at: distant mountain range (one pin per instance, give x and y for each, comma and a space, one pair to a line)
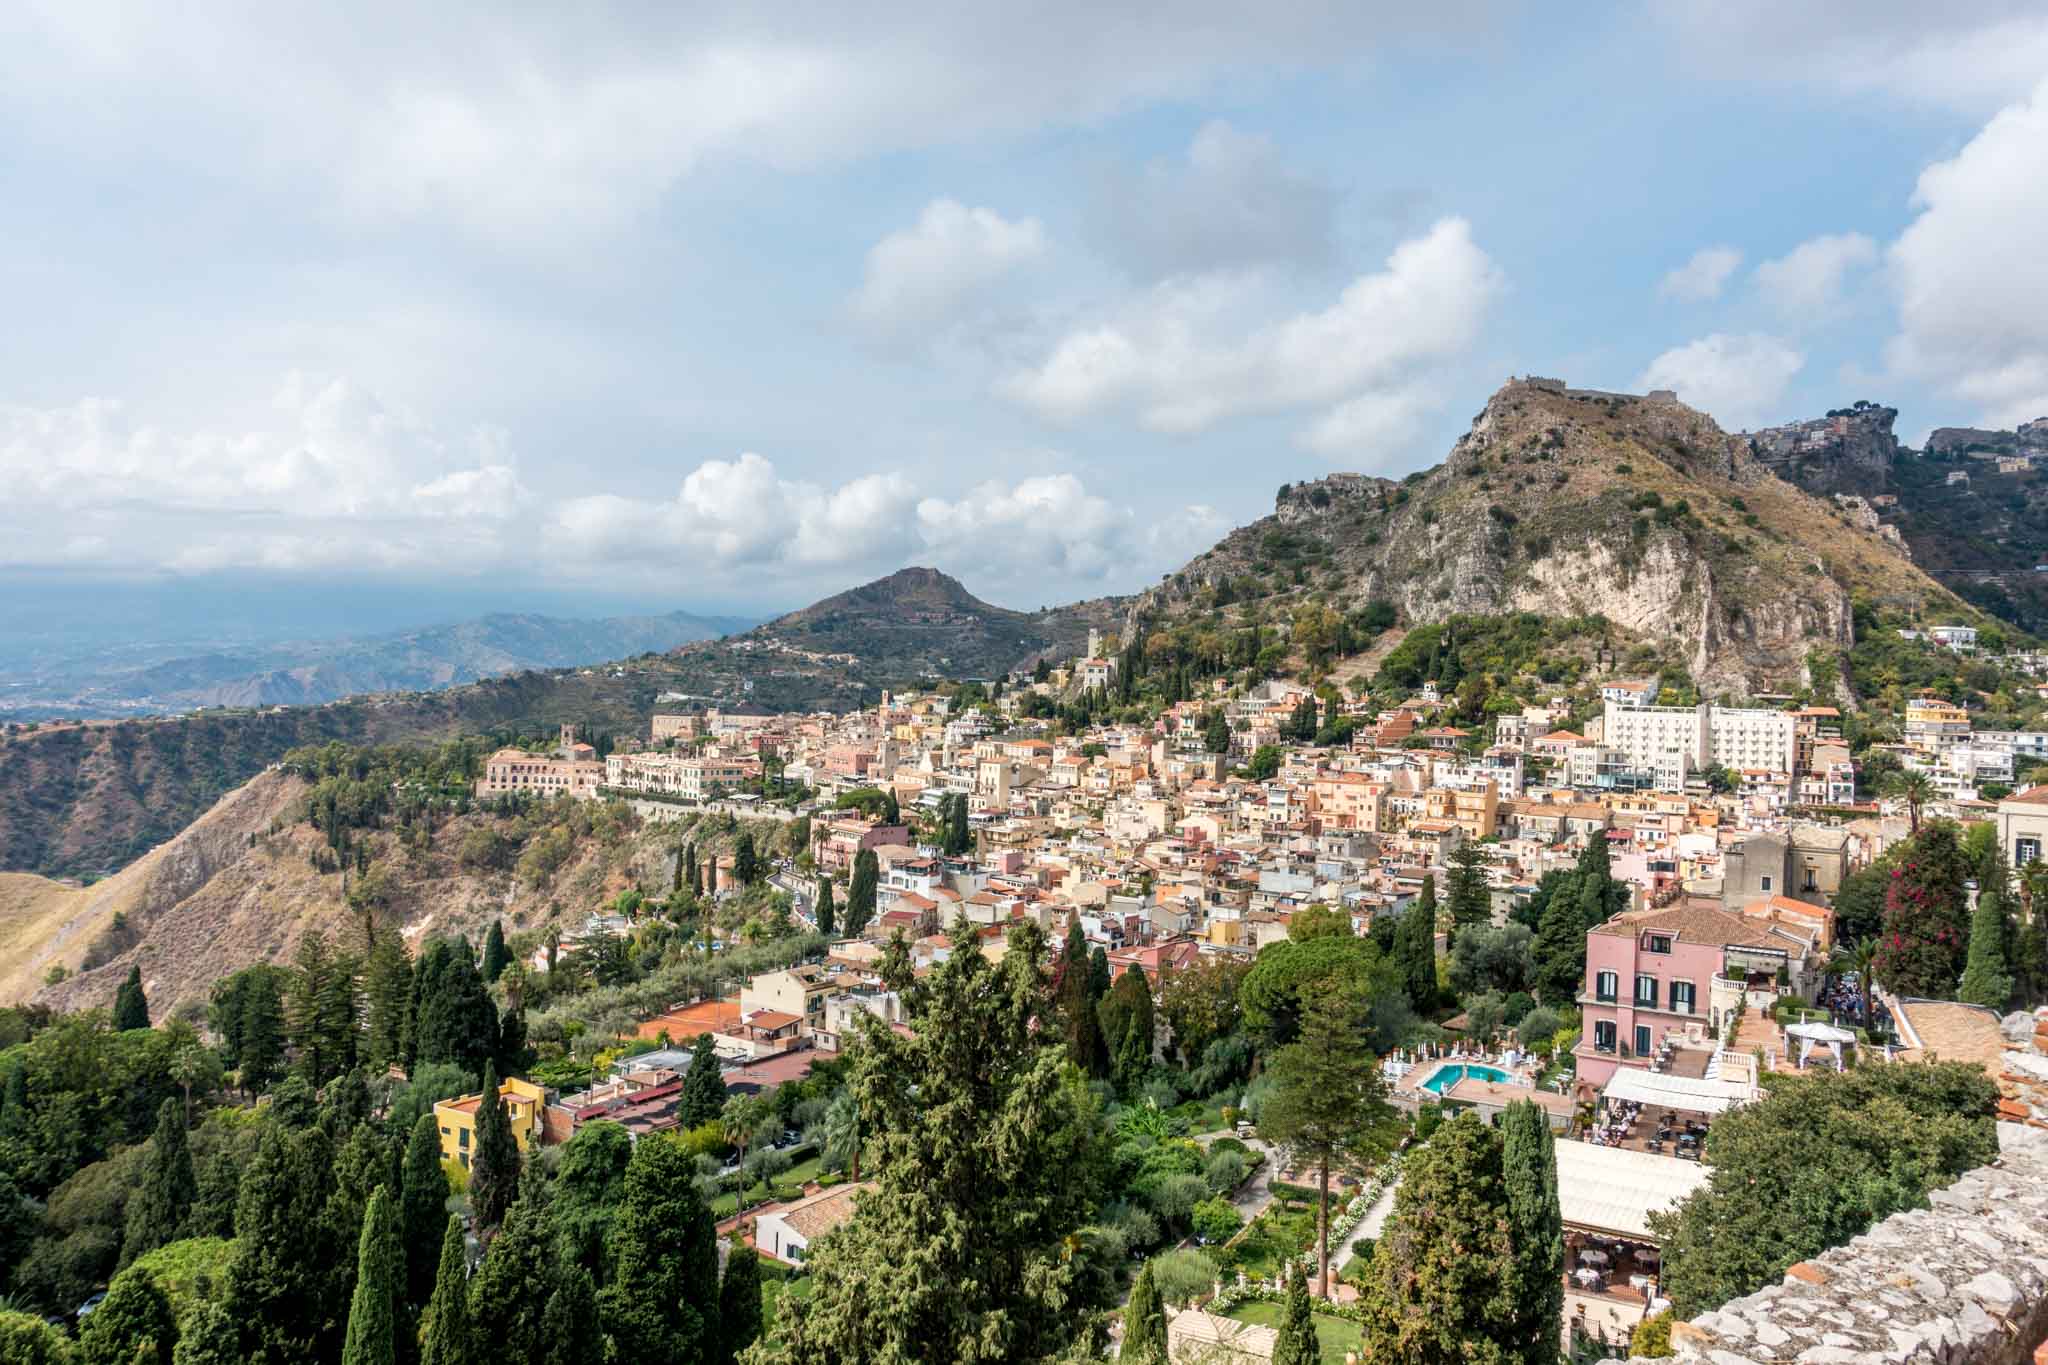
308, 673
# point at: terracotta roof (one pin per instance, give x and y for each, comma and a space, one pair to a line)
815, 1215
1951, 1031
1690, 924
2032, 796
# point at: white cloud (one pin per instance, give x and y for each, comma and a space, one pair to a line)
1384, 425
1971, 277
1737, 380
1168, 356
920, 278
1702, 277
1806, 282
1233, 202
1972, 55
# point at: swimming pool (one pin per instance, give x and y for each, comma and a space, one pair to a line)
1448, 1076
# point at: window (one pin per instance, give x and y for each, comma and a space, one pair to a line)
1642, 1040
1603, 1036
462, 1138
1766, 883
1607, 987
1658, 943
1646, 991
1683, 997
2025, 851
1812, 882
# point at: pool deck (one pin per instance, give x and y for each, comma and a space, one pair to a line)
1411, 1091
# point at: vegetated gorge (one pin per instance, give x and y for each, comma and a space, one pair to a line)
1636, 512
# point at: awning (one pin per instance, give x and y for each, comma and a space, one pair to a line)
1693, 1094
1613, 1190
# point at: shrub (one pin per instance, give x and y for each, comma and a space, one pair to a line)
1183, 1276
1215, 1220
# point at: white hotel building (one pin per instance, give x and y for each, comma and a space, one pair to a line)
1703, 736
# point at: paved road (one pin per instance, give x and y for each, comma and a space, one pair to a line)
1251, 1198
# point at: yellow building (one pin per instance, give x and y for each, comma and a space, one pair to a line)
456, 1118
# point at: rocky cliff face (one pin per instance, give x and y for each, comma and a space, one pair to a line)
1569, 502
1851, 450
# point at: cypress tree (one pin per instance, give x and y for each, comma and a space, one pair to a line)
824, 906
1529, 1171
423, 1210
1444, 1268
495, 956
739, 1300
1078, 1006
570, 1323
1145, 1322
512, 1055
1558, 952
860, 893
745, 862
703, 1084
133, 1325
1098, 973
131, 1007
892, 813
209, 1337
494, 1165
1987, 978
662, 1303
1296, 1343
159, 1208
445, 1337
1415, 949
1128, 1028
284, 1283
373, 1313
509, 1297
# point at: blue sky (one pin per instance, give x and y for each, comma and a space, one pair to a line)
735, 309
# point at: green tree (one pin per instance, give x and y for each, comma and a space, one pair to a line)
131, 1007
373, 1313
661, 1306
1264, 764
1557, 955
1859, 903
1145, 1322
207, 1336
590, 1184
570, 1325
1328, 1095
423, 1209
824, 905
1080, 1007
321, 1012
494, 1163
1529, 1170
1920, 952
860, 893
1444, 1269
1916, 789
1987, 975
1296, 1343
495, 956
1471, 897
1216, 732
387, 999
508, 1298
454, 1019
283, 1286
132, 1326
159, 1208
745, 861
1127, 1029
703, 1096
1816, 1161
1415, 949
739, 1300
445, 1336
986, 1164
27, 1340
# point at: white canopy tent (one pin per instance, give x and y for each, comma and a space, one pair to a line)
1613, 1190
1693, 1094
1816, 1033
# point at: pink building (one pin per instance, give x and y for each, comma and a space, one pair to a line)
1653, 973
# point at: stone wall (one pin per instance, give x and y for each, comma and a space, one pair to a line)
1962, 1282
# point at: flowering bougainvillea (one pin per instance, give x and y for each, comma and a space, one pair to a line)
1925, 934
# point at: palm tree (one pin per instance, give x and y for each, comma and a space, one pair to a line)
1858, 959
1915, 788
842, 1132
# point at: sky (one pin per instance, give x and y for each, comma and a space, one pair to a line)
730, 306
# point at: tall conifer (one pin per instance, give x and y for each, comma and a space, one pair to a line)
373, 1313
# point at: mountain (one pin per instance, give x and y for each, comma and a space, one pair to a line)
1971, 508
305, 673
1568, 502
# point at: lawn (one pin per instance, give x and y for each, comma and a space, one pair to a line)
776, 1281
1334, 1335
1285, 1229
788, 1185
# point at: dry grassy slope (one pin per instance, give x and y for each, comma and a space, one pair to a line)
211, 901
1532, 512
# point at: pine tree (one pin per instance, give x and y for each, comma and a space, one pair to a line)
495, 956
494, 1165
1471, 899
160, 1206
423, 1209
208, 1337
703, 1096
1529, 1171
570, 1325
131, 1007
661, 1306
508, 1298
745, 866
860, 893
1987, 978
1327, 1093
1296, 1343
373, 1313
1145, 1322
387, 997
1921, 949
1444, 1269
739, 1300
133, 1325
824, 905
445, 1337
260, 1046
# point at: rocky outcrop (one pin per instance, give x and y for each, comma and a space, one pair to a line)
1851, 450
